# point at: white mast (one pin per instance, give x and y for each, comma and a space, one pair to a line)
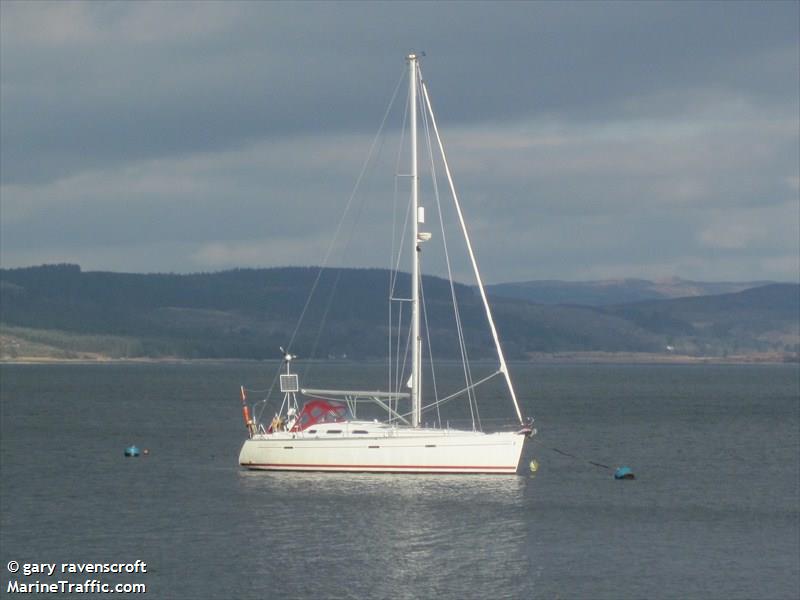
416, 349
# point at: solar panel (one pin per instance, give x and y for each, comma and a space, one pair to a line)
289, 383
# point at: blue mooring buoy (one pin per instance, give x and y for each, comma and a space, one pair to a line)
132, 451
624, 473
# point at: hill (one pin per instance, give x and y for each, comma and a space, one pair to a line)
61, 311
613, 291
757, 319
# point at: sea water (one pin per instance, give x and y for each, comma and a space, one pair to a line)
713, 512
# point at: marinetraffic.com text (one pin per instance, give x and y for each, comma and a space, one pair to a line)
38, 577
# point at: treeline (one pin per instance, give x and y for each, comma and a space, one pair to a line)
249, 313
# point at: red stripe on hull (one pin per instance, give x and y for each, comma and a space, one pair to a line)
381, 468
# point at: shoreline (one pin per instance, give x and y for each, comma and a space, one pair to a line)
644, 358
586, 358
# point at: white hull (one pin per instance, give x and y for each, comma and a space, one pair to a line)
381, 448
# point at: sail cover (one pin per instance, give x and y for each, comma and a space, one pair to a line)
320, 411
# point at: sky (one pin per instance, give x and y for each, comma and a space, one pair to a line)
587, 140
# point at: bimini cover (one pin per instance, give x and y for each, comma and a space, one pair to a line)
320, 411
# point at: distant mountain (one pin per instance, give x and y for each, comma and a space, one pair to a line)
61, 311
613, 291
756, 319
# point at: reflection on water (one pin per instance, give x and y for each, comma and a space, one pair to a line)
419, 534
501, 488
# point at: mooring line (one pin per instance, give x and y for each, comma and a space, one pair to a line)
591, 462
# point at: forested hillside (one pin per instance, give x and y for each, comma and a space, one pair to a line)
249, 313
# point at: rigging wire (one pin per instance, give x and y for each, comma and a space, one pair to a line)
493, 329
405, 357
430, 352
254, 391
265, 401
396, 273
457, 394
346, 209
397, 372
471, 398
393, 273
332, 243
337, 279
349, 237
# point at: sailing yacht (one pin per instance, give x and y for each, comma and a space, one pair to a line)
323, 433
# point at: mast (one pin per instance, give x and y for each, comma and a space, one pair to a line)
416, 349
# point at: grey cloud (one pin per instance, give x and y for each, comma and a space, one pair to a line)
217, 131
115, 93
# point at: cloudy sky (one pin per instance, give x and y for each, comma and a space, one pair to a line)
588, 140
